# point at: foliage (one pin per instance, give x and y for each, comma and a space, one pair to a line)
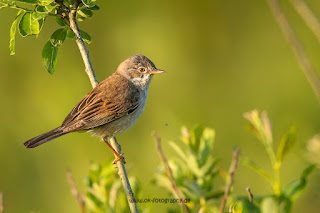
282, 199
195, 171
104, 191
32, 15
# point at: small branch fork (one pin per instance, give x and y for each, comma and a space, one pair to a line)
232, 169
169, 172
69, 17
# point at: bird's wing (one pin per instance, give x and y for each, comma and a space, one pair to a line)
102, 105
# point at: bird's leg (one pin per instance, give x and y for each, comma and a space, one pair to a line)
118, 156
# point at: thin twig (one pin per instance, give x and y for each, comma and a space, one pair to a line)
89, 70
169, 172
124, 178
298, 50
308, 16
75, 191
1, 202
83, 50
232, 169
250, 196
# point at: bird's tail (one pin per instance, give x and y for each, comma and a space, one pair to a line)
41, 139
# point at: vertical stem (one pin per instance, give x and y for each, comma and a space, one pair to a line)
250, 196
232, 169
169, 173
298, 50
89, 70
75, 192
308, 16
277, 181
124, 178
83, 50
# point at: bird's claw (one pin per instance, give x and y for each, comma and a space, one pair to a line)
120, 157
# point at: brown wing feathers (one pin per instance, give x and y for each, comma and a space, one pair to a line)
102, 106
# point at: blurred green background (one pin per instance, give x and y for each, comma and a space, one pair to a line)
222, 58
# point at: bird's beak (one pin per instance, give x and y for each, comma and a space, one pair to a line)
156, 71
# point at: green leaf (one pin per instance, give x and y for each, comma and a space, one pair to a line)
85, 36
94, 7
45, 8
13, 30
276, 205
195, 135
294, 189
237, 207
41, 21
38, 16
266, 127
49, 56
2, 5
83, 14
206, 145
255, 167
179, 152
28, 25
28, 1
58, 37
70, 34
45, 2
286, 143
260, 127
60, 21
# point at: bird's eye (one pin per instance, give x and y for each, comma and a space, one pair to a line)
142, 69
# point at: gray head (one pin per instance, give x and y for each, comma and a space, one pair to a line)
139, 70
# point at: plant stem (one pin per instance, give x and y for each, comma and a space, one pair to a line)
308, 16
277, 181
298, 50
124, 178
89, 70
83, 50
232, 169
75, 191
250, 196
169, 173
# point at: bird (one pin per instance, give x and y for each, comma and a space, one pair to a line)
111, 108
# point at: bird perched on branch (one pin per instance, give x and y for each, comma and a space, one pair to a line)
112, 107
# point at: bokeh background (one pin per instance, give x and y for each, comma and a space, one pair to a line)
222, 58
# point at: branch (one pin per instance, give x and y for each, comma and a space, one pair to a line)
308, 16
298, 50
124, 178
84, 52
169, 172
75, 191
232, 169
1, 202
249, 194
89, 70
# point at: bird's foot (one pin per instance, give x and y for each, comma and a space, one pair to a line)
119, 157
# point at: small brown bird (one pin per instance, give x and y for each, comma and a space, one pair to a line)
112, 107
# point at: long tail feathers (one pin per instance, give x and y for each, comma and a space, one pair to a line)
41, 139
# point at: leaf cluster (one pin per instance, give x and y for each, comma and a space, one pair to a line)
32, 15
104, 191
195, 170
282, 199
